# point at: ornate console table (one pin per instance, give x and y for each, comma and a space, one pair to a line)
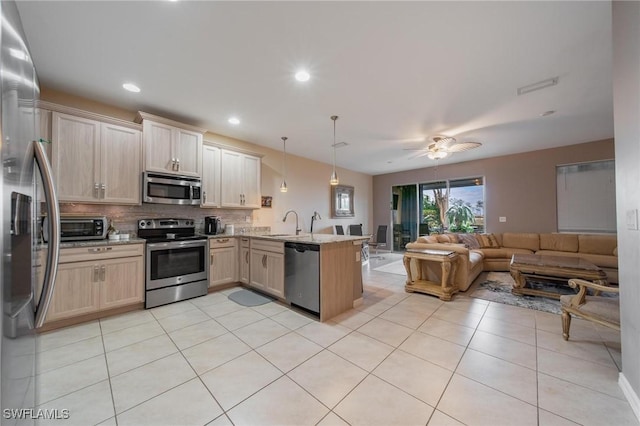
448, 261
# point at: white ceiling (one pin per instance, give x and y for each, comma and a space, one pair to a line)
395, 72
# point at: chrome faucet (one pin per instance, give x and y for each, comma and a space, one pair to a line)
316, 216
285, 218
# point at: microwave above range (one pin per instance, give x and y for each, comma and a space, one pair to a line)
163, 188
78, 228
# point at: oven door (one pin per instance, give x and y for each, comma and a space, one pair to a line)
176, 262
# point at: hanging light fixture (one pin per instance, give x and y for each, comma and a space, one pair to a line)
334, 176
283, 185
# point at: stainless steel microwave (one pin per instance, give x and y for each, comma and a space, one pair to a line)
170, 189
78, 228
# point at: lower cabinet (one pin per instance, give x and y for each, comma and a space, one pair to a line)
244, 260
267, 266
222, 261
93, 279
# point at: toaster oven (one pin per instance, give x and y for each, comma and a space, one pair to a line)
78, 228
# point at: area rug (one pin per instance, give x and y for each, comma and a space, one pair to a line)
248, 298
396, 267
496, 287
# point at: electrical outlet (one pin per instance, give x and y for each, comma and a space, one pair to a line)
502, 218
632, 219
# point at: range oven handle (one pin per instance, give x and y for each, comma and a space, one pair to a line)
177, 244
53, 254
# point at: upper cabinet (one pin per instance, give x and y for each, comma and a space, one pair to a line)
95, 161
210, 176
241, 176
171, 147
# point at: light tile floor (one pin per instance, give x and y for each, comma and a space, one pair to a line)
398, 359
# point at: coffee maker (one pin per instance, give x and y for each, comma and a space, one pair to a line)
212, 225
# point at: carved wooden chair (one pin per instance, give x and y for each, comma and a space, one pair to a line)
598, 309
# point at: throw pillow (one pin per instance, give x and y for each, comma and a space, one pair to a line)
487, 241
469, 240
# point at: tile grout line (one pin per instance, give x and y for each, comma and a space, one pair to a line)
113, 401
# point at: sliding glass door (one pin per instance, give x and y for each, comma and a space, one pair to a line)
404, 215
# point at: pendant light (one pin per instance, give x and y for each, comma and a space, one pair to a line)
283, 185
334, 176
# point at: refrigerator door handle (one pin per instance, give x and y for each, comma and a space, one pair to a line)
53, 254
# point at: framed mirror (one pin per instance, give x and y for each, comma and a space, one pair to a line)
342, 201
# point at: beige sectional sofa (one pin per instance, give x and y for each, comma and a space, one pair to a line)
493, 252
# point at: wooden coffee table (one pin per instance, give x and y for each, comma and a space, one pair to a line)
448, 261
555, 268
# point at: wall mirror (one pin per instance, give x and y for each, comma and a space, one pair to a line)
342, 201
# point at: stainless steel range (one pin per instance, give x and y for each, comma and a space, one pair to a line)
176, 263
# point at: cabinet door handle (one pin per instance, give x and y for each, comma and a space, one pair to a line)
178, 164
96, 273
211, 261
99, 249
204, 196
264, 260
96, 190
103, 188
103, 272
246, 257
173, 164
223, 240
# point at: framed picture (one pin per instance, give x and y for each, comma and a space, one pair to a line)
266, 201
342, 201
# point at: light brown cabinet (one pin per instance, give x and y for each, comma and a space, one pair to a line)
222, 261
170, 147
267, 266
240, 173
95, 162
244, 260
210, 176
93, 279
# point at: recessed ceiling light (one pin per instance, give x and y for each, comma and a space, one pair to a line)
546, 113
302, 75
131, 87
234, 120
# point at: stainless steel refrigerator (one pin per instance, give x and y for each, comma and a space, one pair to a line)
24, 164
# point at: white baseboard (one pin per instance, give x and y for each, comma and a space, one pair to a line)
630, 394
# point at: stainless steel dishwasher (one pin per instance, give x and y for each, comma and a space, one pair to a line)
302, 276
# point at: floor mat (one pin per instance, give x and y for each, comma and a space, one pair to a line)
246, 297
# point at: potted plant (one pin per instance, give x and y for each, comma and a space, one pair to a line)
460, 218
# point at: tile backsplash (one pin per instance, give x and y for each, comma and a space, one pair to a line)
125, 218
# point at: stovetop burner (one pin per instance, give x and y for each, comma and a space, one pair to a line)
166, 230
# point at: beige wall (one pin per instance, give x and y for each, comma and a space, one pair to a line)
626, 102
308, 180
521, 187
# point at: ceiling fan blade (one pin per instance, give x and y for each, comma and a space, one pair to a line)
463, 146
416, 149
442, 142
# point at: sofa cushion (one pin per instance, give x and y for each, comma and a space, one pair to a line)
469, 240
475, 257
521, 240
597, 244
427, 239
503, 252
487, 241
444, 238
559, 242
601, 260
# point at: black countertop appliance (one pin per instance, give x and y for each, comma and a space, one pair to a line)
212, 225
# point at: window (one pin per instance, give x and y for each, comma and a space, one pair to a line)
586, 197
454, 205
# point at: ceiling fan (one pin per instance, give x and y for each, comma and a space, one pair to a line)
442, 146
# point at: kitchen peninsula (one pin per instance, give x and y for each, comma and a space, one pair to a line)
340, 268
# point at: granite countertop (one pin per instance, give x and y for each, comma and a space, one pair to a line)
97, 243
314, 238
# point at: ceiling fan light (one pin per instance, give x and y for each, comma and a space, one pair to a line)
437, 155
